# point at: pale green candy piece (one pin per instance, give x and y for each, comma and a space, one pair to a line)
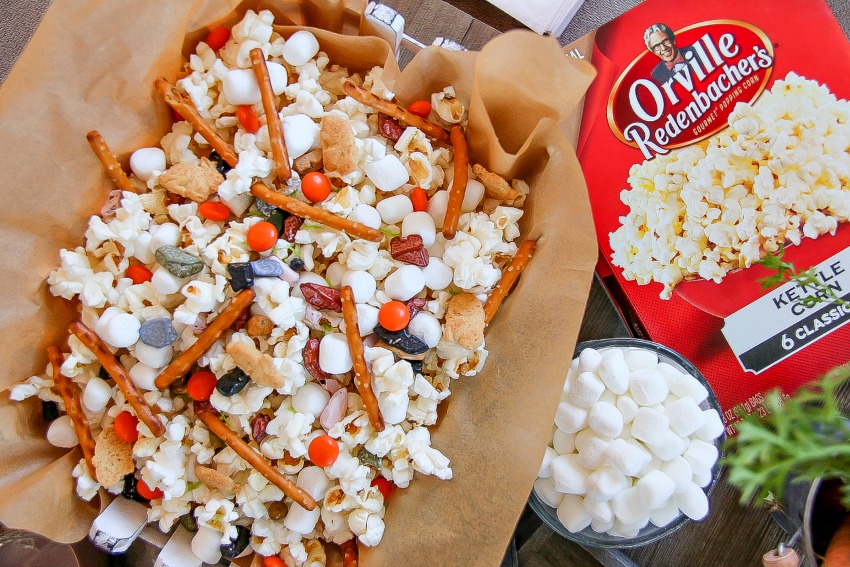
178, 262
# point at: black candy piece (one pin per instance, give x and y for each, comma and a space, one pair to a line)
222, 166
232, 382
276, 218
241, 275
264, 208
130, 492
416, 365
237, 544
402, 340
296, 264
49, 411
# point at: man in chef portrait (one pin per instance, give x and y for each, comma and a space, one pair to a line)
661, 41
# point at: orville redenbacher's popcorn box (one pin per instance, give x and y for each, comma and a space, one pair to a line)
717, 134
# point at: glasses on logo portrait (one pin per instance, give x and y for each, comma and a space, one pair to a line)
665, 43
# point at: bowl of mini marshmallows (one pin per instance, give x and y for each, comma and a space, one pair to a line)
635, 449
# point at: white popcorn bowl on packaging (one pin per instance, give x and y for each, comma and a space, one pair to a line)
650, 533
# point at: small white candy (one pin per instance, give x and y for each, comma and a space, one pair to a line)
394, 209
570, 418
279, 79
142, 248
310, 398
653, 464
669, 372
367, 318
588, 360
472, 196
362, 283
421, 223
626, 457
307, 277
688, 386
572, 515
367, 215
650, 425
153, 356
108, 313
563, 442
608, 396
301, 134
712, 428
206, 544
404, 283
314, 482
546, 463
647, 387
166, 234
427, 327
165, 282
144, 162
637, 358
438, 274
240, 87
568, 475
143, 376
437, 207
604, 483
630, 530
702, 478
334, 354
613, 371
664, 515
701, 456
300, 520
669, 447
122, 330
586, 390
654, 489
685, 416
601, 527
388, 174
97, 394
627, 407
300, 48
334, 273
545, 489
692, 502
605, 419
591, 448
61, 432
599, 511
680, 471
628, 507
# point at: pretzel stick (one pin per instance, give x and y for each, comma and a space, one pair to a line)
302, 209
393, 110
110, 165
255, 459
349, 553
458, 190
189, 113
509, 277
95, 344
362, 376
276, 139
183, 363
71, 395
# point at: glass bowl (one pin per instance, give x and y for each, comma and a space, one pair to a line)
650, 532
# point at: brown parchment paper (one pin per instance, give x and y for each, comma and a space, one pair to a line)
91, 65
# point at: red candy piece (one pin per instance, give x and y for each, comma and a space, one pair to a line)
384, 485
419, 198
139, 274
311, 360
409, 249
322, 296
389, 127
248, 119
291, 226
421, 108
415, 305
217, 38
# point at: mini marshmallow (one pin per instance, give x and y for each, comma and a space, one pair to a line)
637, 358
300, 48
599, 511
650, 425
334, 273
685, 416
404, 283
300, 133
394, 209
239, 203
438, 274
206, 544
628, 458
307, 277
605, 419
334, 354
591, 448
165, 282
564, 443
604, 483
144, 162
367, 318
279, 78
362, 283
627, 408
570, 418
712, 427
609, 397
692, 502
572, 515
121, 330
143, 376
613, 371
427, 327
701, 456
472, 196
702, 478
142, 248
437, 207
367, 215
653, 465
669, 447
654, 489
314, 482
153, 356
647, 387
421, 223
588, 360
240, 87
601, 527
546, 463
300, 520
627, 506
545, 490
680, 472
388, 174
311, 399
665, 514
688, 386
61, 432
96, 394
586, 390
568, 475
165, 234
630, 530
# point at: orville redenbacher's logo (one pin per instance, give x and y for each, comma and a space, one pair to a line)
682, 88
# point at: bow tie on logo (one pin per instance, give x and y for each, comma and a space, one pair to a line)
678, 60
